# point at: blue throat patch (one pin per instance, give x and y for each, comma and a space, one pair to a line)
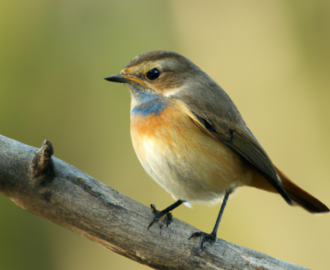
156, 106
149, 104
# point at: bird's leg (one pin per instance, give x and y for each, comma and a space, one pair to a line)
205, 237
165, 212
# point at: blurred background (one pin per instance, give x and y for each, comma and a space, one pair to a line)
271, 57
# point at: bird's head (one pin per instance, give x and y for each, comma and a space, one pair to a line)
159, 74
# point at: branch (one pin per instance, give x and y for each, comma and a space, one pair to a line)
63, 194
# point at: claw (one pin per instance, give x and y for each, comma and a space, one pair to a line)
153, 209
158, 215
168, 219
155, 220
204, 237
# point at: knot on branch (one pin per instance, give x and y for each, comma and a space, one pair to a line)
42, 167
66, 196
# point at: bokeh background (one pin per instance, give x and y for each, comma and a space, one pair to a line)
272, 58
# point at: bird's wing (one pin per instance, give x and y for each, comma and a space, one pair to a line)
240, 139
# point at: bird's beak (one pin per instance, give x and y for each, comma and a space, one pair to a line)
117, 78
125, 78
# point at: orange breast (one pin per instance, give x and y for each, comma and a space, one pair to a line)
189, 164
162, 128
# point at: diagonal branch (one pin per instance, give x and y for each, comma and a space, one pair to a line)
63, 194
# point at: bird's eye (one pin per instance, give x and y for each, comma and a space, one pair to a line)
153, 73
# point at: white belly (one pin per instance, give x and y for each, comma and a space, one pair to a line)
192, 167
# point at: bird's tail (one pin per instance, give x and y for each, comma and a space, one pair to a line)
301, 197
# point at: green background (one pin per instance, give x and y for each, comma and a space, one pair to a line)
272, 58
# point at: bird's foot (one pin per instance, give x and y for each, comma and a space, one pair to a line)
164, 216
204, 237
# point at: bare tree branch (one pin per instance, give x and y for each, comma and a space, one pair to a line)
63, 194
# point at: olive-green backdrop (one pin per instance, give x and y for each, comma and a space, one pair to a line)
272, 58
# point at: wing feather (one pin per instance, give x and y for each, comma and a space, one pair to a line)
242, 142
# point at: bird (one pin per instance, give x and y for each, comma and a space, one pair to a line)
191, 139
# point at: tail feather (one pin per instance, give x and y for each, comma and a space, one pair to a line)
301, 197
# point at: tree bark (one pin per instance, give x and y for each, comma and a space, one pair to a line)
61, 193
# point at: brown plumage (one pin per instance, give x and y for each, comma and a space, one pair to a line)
192, 140
300, 196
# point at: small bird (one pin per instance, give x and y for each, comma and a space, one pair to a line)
191, 139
